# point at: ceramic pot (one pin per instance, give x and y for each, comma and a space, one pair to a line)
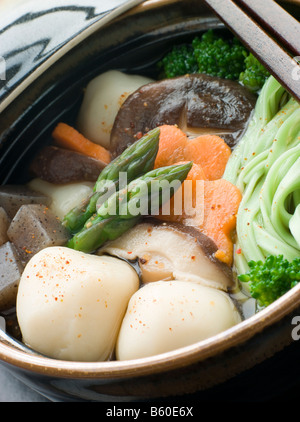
49, 89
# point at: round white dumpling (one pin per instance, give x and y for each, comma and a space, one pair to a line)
102, 100
166, 315
70, 305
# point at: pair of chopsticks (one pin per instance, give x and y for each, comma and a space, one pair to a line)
269, 32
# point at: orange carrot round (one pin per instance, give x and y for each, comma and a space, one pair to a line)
215, 204
211, 152
172, 141
185, 199
221, 201
68, 137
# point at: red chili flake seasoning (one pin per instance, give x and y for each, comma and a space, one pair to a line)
239, 251
138, 135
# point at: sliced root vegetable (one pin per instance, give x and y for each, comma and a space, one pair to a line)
214, 207
211, 152
68, 137
204, 200
172, 142
183, 204
222, 200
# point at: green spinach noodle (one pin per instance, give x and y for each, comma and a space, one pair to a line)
265, 166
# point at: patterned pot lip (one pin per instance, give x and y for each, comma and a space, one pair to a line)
14, 353
58, 42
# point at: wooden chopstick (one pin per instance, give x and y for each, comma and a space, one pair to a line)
257, 40
279, 23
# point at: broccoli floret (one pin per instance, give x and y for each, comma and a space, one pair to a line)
179, 61
270, 279
219, 57
254, 75
215, 56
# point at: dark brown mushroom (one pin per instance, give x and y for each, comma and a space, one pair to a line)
60, 166
167, 251
197, 103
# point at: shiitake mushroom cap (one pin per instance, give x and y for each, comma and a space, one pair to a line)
197, 103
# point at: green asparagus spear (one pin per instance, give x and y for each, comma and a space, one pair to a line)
136, 160
95, 235
146, 194
125, 208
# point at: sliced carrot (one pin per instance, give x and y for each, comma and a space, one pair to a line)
172, 141
183, 204
68, 137
215, 204
211, 152
221, 203
196, 172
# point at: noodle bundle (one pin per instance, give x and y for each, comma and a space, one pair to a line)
265, 166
